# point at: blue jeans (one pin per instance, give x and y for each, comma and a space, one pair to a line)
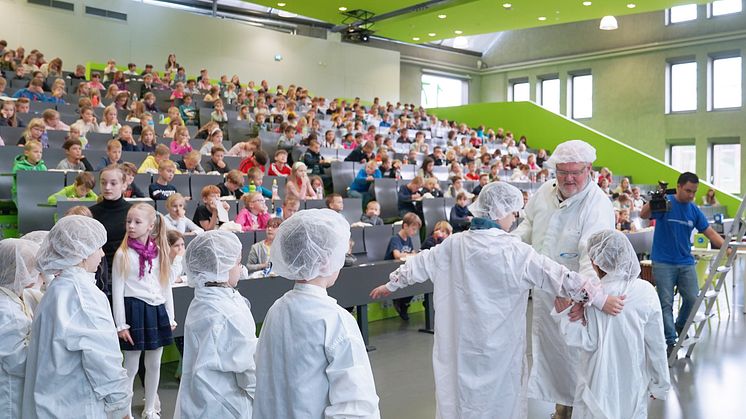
684, 277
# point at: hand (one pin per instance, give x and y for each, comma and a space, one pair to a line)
380, 292
221, 164
226, 206
125, 336
173, 328
577, 312
614, 305
560, 304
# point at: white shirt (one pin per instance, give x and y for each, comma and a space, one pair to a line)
311, 361
15, 331
147, 289
183, 225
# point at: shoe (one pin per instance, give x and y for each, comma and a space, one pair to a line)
669, 350
151, 415
401, 310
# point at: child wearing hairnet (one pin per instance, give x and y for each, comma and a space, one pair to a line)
311, 359
74, 366
17, 272
625, 354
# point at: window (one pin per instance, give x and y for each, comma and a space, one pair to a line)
726, 82
683, 13
683, 158
550, 94
726, 167
683, 87
726, 7
438, 91
519, 91
581, 96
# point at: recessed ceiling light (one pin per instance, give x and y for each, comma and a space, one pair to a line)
431, 34
342, 9
281, 4
458, 32
507, 5
631, 5
442, 16
587, 3
542, 18
416, 38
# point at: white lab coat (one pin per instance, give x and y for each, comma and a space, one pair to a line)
481, 280
559, 230
623, 357
311, 361
74, 366
219, 375
15, 330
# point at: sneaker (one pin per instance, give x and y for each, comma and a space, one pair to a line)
401, 310
151, 415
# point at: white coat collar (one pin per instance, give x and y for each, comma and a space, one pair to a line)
74, 272
310, 289
573, 199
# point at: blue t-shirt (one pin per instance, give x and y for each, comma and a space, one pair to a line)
672, 240
397, 243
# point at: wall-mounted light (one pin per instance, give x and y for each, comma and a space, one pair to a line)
608, 23
278, 57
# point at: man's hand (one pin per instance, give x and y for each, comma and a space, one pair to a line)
614, 305
380, 292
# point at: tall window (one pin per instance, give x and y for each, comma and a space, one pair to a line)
683, 158
683, 86
519, 91
682, 13
726, 82
581, 96
726, 7
550, 94
726, 167
439, 91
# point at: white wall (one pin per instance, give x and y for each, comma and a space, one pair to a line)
327, 67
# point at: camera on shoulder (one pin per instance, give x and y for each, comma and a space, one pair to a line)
658, 201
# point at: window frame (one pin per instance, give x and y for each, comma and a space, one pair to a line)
711, 144
511, 87
670, 63
540, 90
669, 21
711, 58
571, 93
680, 143
464, 80
711, 10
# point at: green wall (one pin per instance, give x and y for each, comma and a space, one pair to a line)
545, 129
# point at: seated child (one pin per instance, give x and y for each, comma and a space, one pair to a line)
113, 154
335, 202
306, 324
472, 172
180, 144
218, 327
457, 187
82, 190
131, 190
29, 160
280, 167
317, 184
460, 214
623, 221
206, 214
153, 162
216, 164
176, 219
147, 140
74, 159
372, 214
214, 139
126, 139
258, 258
176, 248
441, 232
623, 354
256, 179
431, 188
254, 215
520, 174
400, 247
188, 111
258, 159
233, 184
189, 163
162, 188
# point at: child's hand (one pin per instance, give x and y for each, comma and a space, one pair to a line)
226, 206
380, 292
125, 336
614, 305
561, 304
221, 164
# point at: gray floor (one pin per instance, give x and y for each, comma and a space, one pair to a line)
710, 385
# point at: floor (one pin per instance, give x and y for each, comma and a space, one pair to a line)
709, 385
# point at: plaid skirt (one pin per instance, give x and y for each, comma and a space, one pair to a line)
149, 326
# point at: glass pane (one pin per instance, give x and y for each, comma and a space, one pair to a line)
725, 7
582, 96
550, 94
684, 158
726, 83
439, 91
726, 167
683, 87
683, 13
521, 92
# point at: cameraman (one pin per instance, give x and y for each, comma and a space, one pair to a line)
673, 264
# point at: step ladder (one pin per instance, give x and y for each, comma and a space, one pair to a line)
708, 295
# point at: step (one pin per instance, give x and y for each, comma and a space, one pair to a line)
737, 244
700, 317
723, 269
711, 294
690, 341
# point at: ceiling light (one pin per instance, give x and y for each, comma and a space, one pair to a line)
507, 5
442, 16
416, 38
631, 5
542, 18
431, 34
458, 32
608, 23
587, 3
281, 4
342, 9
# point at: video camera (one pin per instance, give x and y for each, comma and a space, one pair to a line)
658, 201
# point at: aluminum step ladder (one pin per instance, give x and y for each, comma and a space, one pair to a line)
708, 294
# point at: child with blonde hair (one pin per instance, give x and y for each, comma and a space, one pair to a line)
254, 215
176, 218
180, 144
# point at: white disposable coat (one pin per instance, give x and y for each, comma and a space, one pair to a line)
15, 329
481, 280
311, 361
559, 230
219, 375
74, 367
623, 357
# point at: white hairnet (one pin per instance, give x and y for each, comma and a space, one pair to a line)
310, 244
18, 264
210, 256
71, 240
496, 200
37, 236
611, 251
573, 151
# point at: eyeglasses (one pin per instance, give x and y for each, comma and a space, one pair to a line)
573, 173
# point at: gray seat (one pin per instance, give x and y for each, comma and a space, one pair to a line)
64, 205
352, 209
356, 235
181, 182
239, 130
342, 176
33, 189
143, 181
376, 240
315, 204
134, 157
56, 138
386, 191
11, 135
247, 240
232, 161
39, 107
98, 140
197, 182
433, 210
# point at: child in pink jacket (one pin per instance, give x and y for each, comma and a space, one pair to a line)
254, 215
